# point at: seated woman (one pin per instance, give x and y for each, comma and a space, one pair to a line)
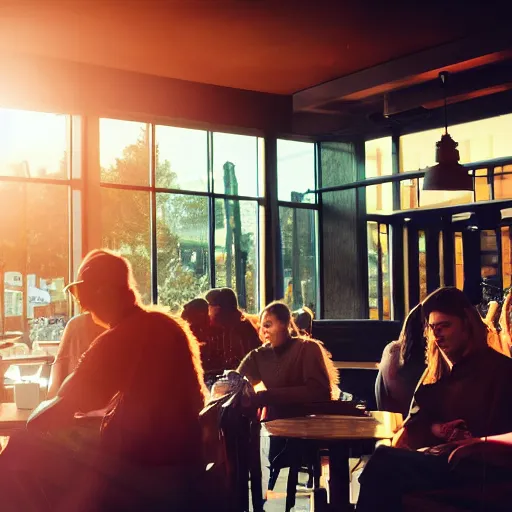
402, 365
293, 368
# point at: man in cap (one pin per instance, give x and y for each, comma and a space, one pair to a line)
235, 336
144, 367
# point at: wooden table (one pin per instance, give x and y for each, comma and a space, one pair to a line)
356, 365
341, 435
12, 418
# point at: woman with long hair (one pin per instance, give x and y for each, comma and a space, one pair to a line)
464, 396
452, 301
402, 365
293, 368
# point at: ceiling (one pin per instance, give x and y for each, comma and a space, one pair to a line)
337, 59
275, 46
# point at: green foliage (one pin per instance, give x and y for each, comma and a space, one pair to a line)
126, 226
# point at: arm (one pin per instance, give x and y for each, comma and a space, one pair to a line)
60, 368
249, 368
93, 384
316, 387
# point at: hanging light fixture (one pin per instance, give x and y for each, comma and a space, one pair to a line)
448, 174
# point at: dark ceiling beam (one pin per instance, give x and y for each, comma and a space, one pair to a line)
406, 71
487, 79
52, 85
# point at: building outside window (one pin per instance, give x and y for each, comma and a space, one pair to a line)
35, 206
298, 216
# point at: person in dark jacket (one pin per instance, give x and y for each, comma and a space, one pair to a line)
402, 365
233, 337
464, 395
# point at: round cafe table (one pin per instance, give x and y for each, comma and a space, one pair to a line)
342, 436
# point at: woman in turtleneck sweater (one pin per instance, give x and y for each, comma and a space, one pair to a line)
294, 369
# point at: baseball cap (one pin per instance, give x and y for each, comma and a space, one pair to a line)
100, 268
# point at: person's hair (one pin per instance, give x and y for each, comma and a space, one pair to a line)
283, 314
452, 301
304, 320
195, 310
412, 337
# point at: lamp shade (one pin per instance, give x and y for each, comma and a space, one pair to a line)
448, 174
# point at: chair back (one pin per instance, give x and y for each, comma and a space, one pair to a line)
229, 429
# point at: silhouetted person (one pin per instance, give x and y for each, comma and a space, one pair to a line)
234, 335
147, 371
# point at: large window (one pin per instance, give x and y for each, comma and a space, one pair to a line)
202, 190
35, 201
296, 174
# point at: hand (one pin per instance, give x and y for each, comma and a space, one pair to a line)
455, 430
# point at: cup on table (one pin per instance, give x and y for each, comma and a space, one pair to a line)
26, 395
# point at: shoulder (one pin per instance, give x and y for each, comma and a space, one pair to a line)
309, 346
499, 360
79, 322
265, 349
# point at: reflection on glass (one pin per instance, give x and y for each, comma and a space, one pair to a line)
33, 144
181, 158
482, 191
379, 198
409, 194
373, 270
236, 250
124, 152
125, 229
378, 162
34, 259
478, 140
506, 257
295, 170
422, 261
182, 248
503, 182
298, 244
235, 156
459, 261
489, 259
386, 282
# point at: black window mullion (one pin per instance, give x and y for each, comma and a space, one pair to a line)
153, 242
211, 209
380, 287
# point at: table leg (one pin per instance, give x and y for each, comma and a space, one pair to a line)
339, 479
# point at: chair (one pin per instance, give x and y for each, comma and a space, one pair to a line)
298, 454
232, 441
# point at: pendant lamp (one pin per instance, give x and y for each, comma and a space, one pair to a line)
448, 174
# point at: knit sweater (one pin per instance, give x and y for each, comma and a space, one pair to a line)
293, 373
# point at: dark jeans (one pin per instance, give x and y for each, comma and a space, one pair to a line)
392, 473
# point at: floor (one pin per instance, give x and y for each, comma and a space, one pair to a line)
276, 499
304, 502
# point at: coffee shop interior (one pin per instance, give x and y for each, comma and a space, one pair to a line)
344, 158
